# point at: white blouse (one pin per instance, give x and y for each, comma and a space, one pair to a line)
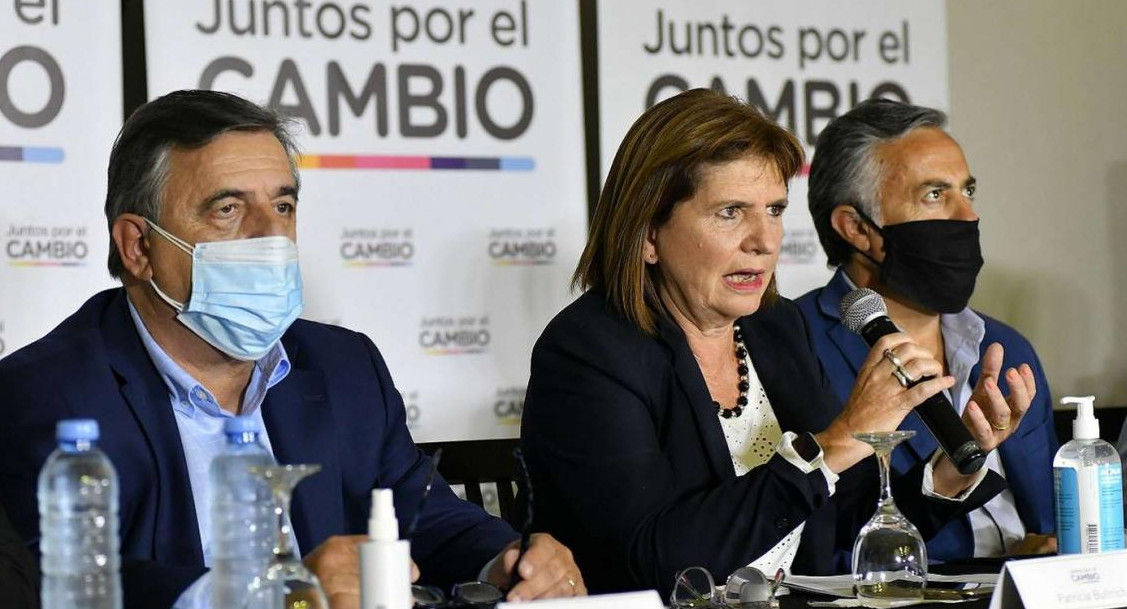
753, 438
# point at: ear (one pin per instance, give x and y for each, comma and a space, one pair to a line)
130, 237
649, 247
850, 226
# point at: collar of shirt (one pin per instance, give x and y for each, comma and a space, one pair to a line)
962, 338
189, 396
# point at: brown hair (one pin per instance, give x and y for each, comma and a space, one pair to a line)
659, 165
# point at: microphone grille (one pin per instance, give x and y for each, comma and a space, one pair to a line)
860, 306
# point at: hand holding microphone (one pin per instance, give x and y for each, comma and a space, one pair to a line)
863, 311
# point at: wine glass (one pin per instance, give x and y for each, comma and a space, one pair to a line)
286, 583
889, 556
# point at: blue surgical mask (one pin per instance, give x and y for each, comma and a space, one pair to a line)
245, 292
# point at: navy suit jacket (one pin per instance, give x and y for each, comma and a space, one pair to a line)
1027, 456
631, 470
337, 407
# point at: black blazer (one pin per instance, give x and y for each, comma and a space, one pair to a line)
630, 468
19, 574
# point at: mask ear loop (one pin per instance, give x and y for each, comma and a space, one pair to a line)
180, 243
173, 239
865, 217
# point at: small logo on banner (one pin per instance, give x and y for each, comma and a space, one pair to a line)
517, 247
800, 246
1086, 575
509, 405
411, 405
371, 247
454, 336
36, 245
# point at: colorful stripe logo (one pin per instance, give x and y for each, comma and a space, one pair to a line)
31, 154
44, 263
521, 262
454, 351
367, 161
376, 263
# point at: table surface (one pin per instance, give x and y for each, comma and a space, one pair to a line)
801, 600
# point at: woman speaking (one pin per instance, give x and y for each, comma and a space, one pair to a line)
676, 414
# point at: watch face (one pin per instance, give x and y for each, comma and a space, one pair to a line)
806, 446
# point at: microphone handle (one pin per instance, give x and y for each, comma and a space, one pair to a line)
937, 413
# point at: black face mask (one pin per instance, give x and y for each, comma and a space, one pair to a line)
933, 262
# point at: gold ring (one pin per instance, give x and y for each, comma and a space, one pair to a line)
572, 582
999, 427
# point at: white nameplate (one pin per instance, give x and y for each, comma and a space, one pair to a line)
1072, 581
646, 599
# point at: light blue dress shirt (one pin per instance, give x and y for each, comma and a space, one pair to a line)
200, 419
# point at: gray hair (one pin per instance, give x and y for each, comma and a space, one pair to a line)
184, 120
846, 170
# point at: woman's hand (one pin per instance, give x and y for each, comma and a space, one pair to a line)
878, 401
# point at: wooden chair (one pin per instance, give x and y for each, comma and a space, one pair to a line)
474, 462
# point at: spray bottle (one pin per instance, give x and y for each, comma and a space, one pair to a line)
385, 560
1087, 487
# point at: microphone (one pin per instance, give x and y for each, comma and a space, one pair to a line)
863, 312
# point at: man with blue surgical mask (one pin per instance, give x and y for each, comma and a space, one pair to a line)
201, 205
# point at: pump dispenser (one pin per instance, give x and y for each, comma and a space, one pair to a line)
1088, 487
385, 560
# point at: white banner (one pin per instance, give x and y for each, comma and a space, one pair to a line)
60, 108
803, 63
443, 205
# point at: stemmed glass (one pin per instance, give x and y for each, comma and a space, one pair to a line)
286, 583
889, 556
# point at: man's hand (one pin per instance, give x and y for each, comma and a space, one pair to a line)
336, 562
1034, 543
547, 570
990, 416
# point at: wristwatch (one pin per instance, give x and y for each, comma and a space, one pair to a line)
807, 446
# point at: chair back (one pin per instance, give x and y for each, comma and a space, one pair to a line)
472, 463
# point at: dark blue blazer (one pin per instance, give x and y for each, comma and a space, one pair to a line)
1027, 456
337, 407
630, 468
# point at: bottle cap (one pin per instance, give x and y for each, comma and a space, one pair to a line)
241, 425
1086, 426
77, 430
382, 523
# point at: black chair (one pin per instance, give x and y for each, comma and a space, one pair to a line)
474, 462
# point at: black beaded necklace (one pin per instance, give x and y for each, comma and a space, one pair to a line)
741, 402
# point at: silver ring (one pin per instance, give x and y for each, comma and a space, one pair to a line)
898, 371
901, 377
895, 361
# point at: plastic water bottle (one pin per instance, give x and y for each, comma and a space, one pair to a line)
1088, 487
78, 522
243, 524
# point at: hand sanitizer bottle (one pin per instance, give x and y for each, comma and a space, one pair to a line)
1088, 487
385, 560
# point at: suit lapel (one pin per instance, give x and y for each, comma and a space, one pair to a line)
175, 538
768, 357
302, 430
700, 401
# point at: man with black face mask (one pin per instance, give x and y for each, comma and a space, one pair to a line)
892, 200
